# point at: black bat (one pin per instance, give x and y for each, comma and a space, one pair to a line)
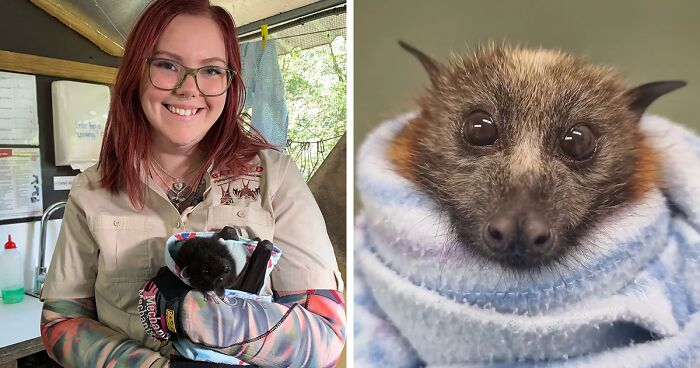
209, 266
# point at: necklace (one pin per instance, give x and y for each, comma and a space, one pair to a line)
179, 191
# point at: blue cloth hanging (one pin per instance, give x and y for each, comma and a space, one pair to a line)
264, 89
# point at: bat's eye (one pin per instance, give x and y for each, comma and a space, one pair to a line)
579, 143
227, 269
205, 270
479, 128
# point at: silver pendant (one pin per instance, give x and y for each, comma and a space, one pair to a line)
179, 186
178, 192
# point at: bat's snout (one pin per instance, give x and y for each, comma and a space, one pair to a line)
519, 238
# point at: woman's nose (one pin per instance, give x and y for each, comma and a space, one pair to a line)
188, 87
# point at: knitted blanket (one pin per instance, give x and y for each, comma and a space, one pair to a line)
421, 299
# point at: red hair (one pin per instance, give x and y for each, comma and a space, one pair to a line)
126, 141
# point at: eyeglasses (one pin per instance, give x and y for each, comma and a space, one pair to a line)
168, 75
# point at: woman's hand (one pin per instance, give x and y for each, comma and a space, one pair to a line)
159, 305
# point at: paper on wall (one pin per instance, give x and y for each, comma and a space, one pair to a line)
20, 183
19, 122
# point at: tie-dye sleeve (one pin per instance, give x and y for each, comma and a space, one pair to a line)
74, 338
305, 329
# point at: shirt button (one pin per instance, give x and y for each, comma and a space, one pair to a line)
117, 223
179, 224
242, 213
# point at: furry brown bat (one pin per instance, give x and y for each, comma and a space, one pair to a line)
209, 266
526, 149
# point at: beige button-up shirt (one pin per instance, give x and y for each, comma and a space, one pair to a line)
108, 249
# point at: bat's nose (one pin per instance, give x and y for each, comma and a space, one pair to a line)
518, 236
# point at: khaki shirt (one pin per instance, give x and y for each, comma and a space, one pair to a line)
108, 250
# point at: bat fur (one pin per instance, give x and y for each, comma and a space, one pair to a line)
493, 143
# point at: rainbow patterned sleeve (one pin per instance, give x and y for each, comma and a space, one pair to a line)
300, 329
74, 338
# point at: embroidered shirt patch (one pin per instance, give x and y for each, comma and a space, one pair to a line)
246, 186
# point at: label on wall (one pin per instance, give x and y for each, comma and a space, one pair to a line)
20, 183
63, 182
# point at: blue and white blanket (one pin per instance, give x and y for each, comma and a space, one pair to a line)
421, 300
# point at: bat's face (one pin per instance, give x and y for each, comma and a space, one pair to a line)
525, 150
208, 268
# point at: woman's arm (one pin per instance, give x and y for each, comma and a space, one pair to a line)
74, 338
70, 330
300, 329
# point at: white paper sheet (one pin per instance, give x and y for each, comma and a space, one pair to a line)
20, 183
19, 123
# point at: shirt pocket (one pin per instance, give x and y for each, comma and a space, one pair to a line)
251, 221
125, 247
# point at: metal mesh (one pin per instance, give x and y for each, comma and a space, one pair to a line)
311, 33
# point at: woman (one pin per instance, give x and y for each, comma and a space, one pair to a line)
176, 158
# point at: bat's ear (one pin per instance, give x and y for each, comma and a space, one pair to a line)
642, 96
228, 233
430, 64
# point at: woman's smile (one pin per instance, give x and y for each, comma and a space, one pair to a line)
183, 112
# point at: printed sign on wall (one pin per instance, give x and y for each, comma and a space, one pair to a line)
20, 183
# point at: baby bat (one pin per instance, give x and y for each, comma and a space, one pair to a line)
208, 265
527, 149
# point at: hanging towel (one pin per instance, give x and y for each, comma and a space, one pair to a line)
264, 89
422, 300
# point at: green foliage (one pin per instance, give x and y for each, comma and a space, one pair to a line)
315, 90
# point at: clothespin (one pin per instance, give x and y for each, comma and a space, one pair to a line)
263, 33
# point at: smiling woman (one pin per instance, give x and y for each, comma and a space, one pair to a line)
178, 159
179, 120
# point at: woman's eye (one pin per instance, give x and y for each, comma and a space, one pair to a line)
479, 129
579, 143
214, 71
164, 64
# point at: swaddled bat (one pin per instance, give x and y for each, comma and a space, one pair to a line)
527, 149
208, 265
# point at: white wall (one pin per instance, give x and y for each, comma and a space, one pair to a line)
27, 236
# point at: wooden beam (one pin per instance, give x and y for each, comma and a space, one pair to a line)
32, 64
77, 21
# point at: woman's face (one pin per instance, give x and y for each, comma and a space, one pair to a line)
180, 118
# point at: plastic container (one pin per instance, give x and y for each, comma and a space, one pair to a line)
11, 273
